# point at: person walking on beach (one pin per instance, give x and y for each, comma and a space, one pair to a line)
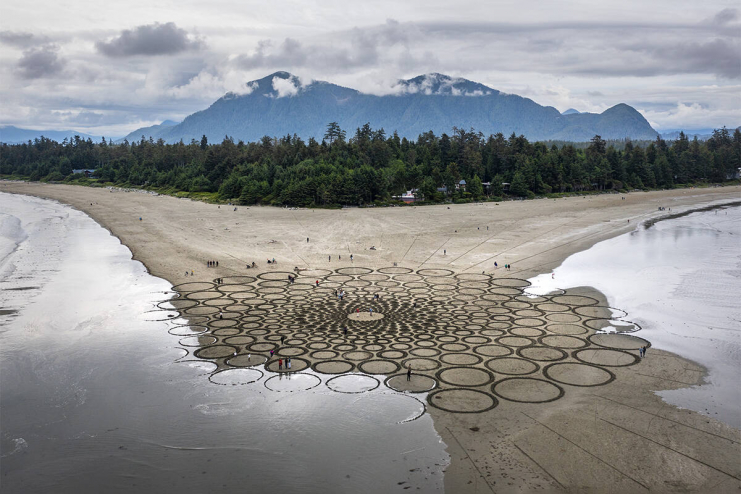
282, 339
329, 258
371, 311
288, 363
350, 257
409, 372
345, 331
307, 240
280, 364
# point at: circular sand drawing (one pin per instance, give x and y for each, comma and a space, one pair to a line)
469, 339
365, 316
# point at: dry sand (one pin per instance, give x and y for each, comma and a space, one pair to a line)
619, 437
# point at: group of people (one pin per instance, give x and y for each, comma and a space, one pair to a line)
272, 262
253, 265
291, 279
339, 256
281, 362
212, 264
340, 294
642, 351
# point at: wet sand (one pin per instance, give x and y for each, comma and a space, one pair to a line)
619, 437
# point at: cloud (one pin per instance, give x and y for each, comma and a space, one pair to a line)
150, 40
652, 56
725, 16
721, 57
438, 84
388, 44
40, 62
693, 116
286, 87
21, 39
597, 48
290, 53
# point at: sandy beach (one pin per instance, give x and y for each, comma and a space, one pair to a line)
616, 437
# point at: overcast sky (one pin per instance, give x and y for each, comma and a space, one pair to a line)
111, 67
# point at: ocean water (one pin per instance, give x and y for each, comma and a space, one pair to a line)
97, 395
680, 281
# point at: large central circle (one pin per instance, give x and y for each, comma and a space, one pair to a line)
365, 316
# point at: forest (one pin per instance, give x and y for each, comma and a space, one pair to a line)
371, 167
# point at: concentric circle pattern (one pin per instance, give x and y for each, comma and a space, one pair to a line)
469, 340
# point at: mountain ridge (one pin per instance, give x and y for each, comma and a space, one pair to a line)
10, 134
280, 104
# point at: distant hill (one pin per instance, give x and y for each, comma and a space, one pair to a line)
153, 131
570, 111
14, 135
701, 134
279, 104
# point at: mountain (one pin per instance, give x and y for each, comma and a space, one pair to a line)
14, 135
570, 111
701, 134
153, 131
279, 104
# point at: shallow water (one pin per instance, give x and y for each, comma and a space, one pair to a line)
97, 395
680, 280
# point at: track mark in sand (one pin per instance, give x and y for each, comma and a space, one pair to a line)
238, 259
666, 379
436, 251
470, 459
584, 450
482, 243
296, 254
560, 225
410, 248
539, 465
665, 418
671, 449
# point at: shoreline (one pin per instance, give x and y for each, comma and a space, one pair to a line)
530, 438
568, 237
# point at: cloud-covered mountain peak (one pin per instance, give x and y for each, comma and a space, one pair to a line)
441, 84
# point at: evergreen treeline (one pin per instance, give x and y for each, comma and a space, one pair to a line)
370, 166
